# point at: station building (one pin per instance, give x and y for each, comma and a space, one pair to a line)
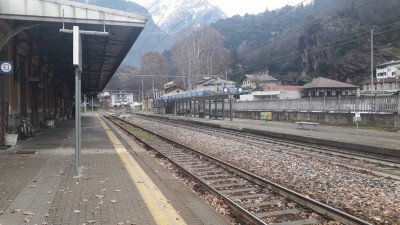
40, 85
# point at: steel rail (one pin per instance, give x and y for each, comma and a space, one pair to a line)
319, 207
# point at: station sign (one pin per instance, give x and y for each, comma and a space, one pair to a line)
6, 67
33, 79
232, 90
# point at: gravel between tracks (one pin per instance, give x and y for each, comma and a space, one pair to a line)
373, 198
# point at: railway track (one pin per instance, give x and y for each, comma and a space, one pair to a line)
343, 157
254, 199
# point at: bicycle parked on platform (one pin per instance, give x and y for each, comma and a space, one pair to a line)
26, 129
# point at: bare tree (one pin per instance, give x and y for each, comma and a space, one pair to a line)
200, 53
181, 61
153, 64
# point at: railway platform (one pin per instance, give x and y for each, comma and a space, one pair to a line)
365, 140
119, 182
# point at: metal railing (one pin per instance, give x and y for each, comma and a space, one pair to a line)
366, 104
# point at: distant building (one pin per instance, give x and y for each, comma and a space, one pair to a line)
321, 87
387, 70
214, 84
173, 89
381, 86
121, 98
273, 93
386, 81
258, 81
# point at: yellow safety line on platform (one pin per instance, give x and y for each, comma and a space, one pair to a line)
163, 212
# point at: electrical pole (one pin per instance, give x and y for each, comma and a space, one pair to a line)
372, 61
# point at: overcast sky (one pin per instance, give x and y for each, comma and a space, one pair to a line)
241, 7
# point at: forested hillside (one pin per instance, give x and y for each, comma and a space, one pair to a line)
329, 38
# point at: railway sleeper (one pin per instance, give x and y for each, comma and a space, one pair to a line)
279, 213
214, 176
266, 204
231, 185
209, 170
301, 222
223, 181
251, 196
233, 191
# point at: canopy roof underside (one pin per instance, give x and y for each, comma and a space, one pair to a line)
101, 55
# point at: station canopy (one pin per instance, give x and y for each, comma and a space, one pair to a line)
101, 55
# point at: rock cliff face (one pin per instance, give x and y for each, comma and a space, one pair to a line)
318, 47
329, 38
341, 49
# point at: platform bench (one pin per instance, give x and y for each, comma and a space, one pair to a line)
301, 124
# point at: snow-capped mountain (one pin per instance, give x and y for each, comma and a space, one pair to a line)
149, 39
173, 16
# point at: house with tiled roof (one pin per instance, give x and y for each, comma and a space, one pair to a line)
273, 93
386, 80
173, 89
214, 84
324, 87
387, 85
258, 81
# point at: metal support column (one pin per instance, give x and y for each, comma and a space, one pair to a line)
77, 120
230, 108
209, 107
77, 62
175, 107
190, 108
223, 108
216, 107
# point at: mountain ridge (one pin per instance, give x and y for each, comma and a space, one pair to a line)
176, 16
182, 16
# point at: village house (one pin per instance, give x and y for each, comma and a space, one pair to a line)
120, 97
214, 84
273, 93
324, 87
257, 82
386, 81
171, 88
